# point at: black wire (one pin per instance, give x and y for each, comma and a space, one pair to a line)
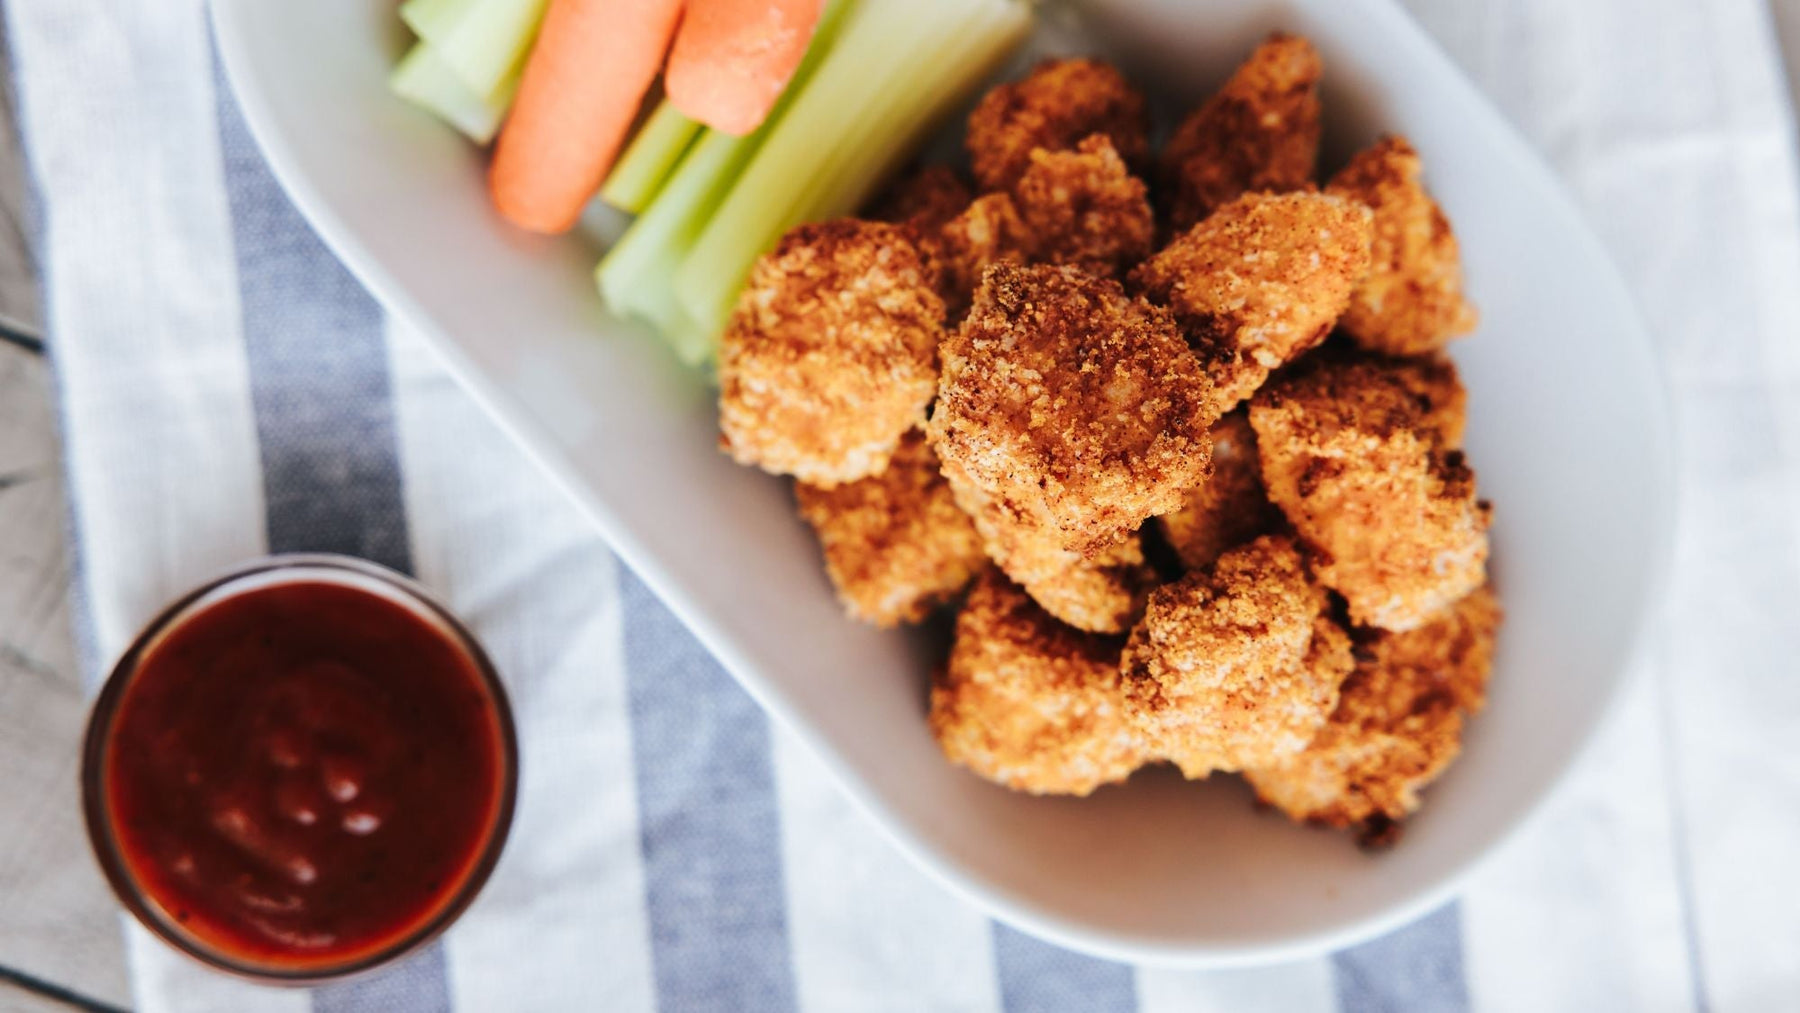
50, 990
13, 336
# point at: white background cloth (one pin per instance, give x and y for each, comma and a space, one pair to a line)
1664, 875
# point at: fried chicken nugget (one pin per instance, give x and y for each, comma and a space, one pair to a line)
1434, 382
831, 353
1060, 102
1236, 665
1028, 702
988, 231
1259, 282
1397, 726
1260, 132
1102, 592
925, 198
1080, 207
1075, 408
896, 544
1412, 301
1084, 207
1229, 508
1351, 457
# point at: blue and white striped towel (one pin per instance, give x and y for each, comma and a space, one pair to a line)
227, 389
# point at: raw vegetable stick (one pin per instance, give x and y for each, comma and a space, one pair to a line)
424, 79
634, 276
898, 67
732, 58
649, 159
592, 64
484, 42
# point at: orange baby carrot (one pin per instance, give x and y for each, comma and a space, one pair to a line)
732, 58
588, 72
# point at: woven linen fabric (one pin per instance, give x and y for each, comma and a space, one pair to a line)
228, 389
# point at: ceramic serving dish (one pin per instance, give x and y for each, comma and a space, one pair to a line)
1566, 431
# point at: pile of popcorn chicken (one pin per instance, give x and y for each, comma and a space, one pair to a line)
1175, 429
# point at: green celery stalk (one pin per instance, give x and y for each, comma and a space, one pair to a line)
425, 80
969, 56
484, 42
897, 68
652, 156
634, 275
429, 17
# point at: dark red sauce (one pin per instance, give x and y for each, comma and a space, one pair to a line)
303, 775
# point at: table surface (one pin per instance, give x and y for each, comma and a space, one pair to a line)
67, 954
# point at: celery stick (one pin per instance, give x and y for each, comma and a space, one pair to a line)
895, 70
974, 52
759, 206
425, 80
646, 164
429, 17
484, 42
634, 275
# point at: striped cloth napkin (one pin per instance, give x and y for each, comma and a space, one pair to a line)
228, 390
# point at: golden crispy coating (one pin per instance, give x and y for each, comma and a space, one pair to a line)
1100, 593
1260, 281
1442, 399
1028, 702
1229, 508
831, 353
988, 231
1235, 665
1259, 133
1080, 207
896, 545
1412, 301
924, 198
1056, 105
1352, 460
1084, 207
1397, 726
1078, 410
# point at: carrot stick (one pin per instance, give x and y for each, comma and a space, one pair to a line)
592, 64
732, 58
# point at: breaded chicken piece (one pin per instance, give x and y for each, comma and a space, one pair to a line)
831, 353
1260, 132
1060, 102
1229, 508
1352, 459
1028, 702
1412, 301
1078, 410
987, 232
924, 198
1397, 726
1084, 207
927, 199
1259, 282
1439, 390
1235, 665
1432, 381
1102, 592
1080, 207
896, 545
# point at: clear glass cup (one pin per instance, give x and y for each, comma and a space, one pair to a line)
343, 571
